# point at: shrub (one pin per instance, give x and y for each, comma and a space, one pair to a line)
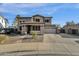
2, 39
34, 35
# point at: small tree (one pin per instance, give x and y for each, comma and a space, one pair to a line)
34, 35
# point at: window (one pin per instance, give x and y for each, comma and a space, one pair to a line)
37, 20
37, 28
20, 21
46, 20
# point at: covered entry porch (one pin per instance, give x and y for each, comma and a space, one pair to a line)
29, 28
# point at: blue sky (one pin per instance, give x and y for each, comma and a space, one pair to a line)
61, 12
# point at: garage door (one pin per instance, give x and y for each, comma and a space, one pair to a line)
50, 31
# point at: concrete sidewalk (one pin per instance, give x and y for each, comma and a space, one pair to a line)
52, 45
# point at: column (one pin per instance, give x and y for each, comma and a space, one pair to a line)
42, 29
31, 27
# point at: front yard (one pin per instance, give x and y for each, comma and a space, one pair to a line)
9, 39
52, 44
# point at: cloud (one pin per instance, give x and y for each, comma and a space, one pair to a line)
21, 8
26, 8
10, 10
77, 6
31, 5
18, 8
49, 10
22, 5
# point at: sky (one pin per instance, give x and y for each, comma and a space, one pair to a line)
61, 12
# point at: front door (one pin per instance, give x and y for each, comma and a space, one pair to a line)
28, 29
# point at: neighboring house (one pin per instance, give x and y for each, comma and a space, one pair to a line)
3, 22
36, 23
71, 28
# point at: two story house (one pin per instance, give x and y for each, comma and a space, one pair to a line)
36, 23
71, 28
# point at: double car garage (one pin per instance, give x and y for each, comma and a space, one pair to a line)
47, 31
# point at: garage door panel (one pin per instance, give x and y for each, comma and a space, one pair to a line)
50, 30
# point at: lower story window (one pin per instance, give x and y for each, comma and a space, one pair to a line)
37, 28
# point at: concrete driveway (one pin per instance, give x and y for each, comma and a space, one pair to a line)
52, 45
64, 35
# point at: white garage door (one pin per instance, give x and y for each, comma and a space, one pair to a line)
50, 31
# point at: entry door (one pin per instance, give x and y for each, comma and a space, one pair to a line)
28, 29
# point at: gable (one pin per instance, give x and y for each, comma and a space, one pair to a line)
37, 15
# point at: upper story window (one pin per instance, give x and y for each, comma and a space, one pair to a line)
20, 21
47, 20
37, 20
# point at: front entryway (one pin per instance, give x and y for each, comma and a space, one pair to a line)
28, 29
